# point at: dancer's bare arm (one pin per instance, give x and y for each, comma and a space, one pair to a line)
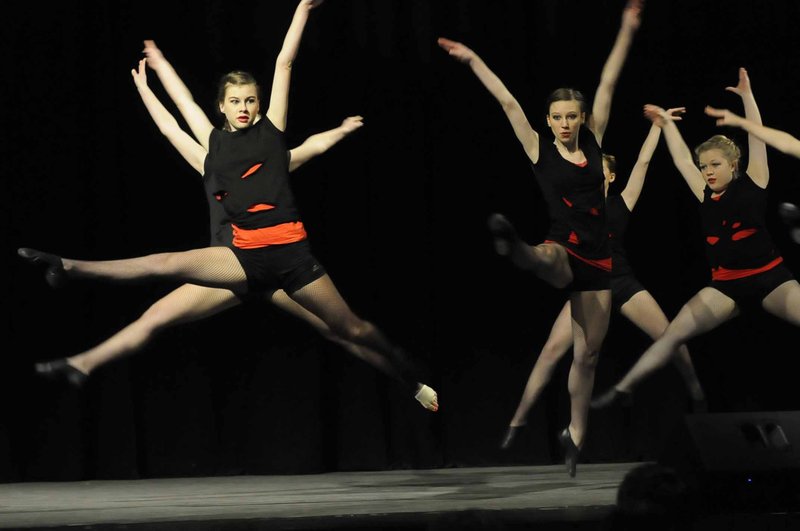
681, 155
633, 188
195, 118
187, 146
526, 135
319, 143
279, 95
601, 108
757, 167
780, 140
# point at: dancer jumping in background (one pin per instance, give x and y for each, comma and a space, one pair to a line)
575, 255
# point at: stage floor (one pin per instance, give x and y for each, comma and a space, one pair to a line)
510, 498
321, 501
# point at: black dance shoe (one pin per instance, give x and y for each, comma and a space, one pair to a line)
61, 370
571, 452
612, 397
510, 436
790, 214
55, 274
503, 232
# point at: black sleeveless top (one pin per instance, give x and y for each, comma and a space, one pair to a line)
575, 198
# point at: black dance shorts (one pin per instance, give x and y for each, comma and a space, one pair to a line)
749, 291
623, 287
586, 277
288, 267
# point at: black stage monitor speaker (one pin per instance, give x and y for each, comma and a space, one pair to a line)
740, 460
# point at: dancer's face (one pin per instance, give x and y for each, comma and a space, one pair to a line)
717, 170
240, 106
565, 119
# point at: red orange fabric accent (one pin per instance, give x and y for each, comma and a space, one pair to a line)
712, 239
742, 234
290, 232
259, 207
573, 238
252, 170
567, 201
602, 263
722, 273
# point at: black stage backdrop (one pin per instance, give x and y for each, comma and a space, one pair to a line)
396, 213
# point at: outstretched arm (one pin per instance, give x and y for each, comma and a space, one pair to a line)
757, 167
601, 108
633, 188
780, 140
279, 96
188, 147
195, 117
681, 155
519, 122
321, 142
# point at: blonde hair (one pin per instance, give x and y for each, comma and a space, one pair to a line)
728, 147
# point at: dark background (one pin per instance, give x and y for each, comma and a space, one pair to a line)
396, 213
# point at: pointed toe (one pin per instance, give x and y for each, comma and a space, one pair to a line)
61, 370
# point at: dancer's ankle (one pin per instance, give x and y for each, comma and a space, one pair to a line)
79, 364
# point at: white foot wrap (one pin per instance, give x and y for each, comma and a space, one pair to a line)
427, 397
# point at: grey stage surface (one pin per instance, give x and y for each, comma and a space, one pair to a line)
543, 493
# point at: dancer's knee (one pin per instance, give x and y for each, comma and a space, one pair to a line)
587, 359
352, 329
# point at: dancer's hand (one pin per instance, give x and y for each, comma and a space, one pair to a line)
675, 113
153, 54
351, 123
456, 50
659, 115
724, 116
311, 4
140, 74
743, 88
632, 14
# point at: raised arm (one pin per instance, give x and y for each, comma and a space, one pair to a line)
681, 155
601, 107
319, 143
195, 118
519, 122
633, 188
279, 95
187, 146
780, 140
757, 167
